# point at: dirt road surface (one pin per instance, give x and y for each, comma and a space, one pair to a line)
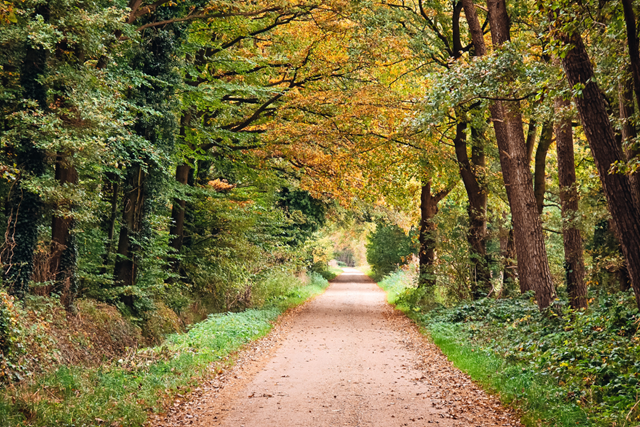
346, 358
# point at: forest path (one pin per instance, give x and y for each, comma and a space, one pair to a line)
347, 358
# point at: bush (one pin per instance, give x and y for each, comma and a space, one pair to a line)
388, 247
274, 284
10, 348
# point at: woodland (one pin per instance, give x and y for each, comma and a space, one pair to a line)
164, 162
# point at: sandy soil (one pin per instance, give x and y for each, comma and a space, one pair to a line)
344, 359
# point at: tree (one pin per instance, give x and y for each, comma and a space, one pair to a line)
533, 267
606, 151
25, 204
427, 251
571, 237
387, 248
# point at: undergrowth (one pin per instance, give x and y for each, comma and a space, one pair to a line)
330, 273
122, 392
560, 368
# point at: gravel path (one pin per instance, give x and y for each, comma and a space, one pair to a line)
344, 359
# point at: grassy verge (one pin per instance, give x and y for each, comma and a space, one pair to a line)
564, 368
537, 399
122, 392
331, 273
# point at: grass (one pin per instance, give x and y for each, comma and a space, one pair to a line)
538, 401
564, 368
123, 392
331, 273
395, 285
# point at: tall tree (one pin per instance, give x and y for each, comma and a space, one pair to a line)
442, 38
628, 131
602, 141
25, 204
533, 266
156, 58
540, 166
633, 45
477, 196
64, 250
571, 237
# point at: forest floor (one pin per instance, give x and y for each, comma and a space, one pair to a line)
347, 358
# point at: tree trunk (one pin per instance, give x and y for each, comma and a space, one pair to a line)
477, 196
183, 172
508, 254
113, 189
477, 35
540, 176
531, 138
632, 43
178, 216
629, 134
125, 270
25, 207
572, 240
533, 267
64, 251
60, 231
606, 151
427, 253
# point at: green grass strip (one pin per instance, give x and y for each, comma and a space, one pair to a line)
123, 392
531, 393
538, 401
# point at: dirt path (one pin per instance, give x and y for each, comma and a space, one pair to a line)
346, 359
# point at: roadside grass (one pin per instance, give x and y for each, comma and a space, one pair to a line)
331, 273
562, 368
366, 270
123, 392
537, 400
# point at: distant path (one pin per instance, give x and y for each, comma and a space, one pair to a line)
346, 359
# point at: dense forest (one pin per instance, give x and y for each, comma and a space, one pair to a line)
162, 161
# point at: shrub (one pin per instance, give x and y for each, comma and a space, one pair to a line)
10, 348
388, 247
273, 284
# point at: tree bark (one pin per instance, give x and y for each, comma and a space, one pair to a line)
60, 225
508, 254
571, 238
477, 196
477, 36
533, 267
125, 270
427, 253
64, 252
178, 212
113, 189
540, 168
632, 43
25, 207
531, 137
629, 135
606, 151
